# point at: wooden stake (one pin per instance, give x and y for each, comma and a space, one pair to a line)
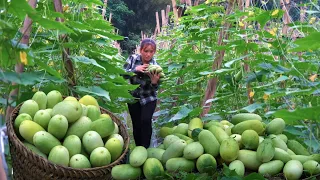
19, 67
212, 83
110, 17
65, 51
158, 22
189, 2
196, 3
175, 12
167, 13
286, 16
163, 19
105, 2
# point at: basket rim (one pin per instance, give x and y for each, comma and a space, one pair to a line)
14, 139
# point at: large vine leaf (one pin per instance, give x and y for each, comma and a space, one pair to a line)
299, 114
95, 90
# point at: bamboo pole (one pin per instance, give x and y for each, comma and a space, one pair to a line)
105, 2
175, 12
25, 31
212, 83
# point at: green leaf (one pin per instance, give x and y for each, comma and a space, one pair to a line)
48, 68
50, 24
28, 78
5, 25
117, 91
229, 63
95, 90
293, 117
311, 42
254, 176
253, 107
86, 60
263, 18
183, 112
20, 8
107, 34
98, 2
281, 78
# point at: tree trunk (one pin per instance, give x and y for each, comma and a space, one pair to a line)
25, 31
212, 83
65, 51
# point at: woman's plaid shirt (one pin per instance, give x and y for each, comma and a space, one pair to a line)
146, 92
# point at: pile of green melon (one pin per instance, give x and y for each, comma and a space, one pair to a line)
244, 144
68, 132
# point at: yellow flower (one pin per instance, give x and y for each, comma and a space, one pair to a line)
241, 24
46, 42
207, 2
51, 63
312, 20
266, 96
23, 58
65, 8
313, 77
251, 13
59, 71
40, 29
81, 53
275, 12
310, 50
250, 26
251, 94
269, 45
273, 31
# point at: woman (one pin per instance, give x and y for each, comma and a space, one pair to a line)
142, 110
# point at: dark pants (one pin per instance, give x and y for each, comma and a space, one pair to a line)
141, 116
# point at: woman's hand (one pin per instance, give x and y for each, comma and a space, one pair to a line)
154, 77
142, 68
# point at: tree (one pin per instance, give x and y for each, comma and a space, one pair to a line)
120, 12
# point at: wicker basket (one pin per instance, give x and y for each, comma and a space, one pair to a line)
28, 165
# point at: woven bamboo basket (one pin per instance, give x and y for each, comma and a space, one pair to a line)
28, 165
